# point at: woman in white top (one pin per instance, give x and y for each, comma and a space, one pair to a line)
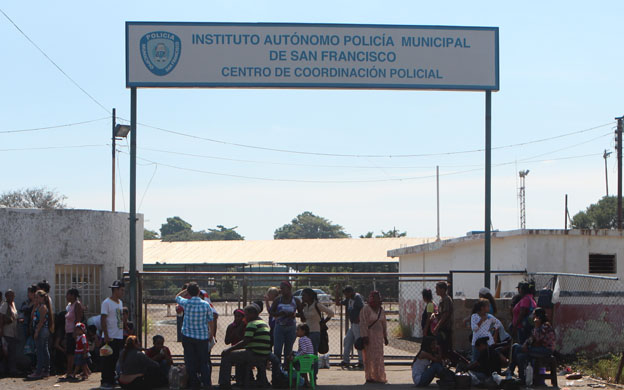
482, 324
311, 315
427, 363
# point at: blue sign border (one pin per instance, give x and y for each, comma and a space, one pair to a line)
445, 87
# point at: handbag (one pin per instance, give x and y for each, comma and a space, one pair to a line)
324, 342
359, 343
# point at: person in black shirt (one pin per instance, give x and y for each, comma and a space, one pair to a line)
489, 361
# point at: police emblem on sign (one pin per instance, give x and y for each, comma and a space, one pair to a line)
160, 51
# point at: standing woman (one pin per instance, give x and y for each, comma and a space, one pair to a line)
522, 311
311, 315
373, 330
42, 326
284, 309
8, 331
74, 315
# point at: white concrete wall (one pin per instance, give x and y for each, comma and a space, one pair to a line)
508, 253
534, 251
32, 242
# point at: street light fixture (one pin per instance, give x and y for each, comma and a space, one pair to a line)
119, 132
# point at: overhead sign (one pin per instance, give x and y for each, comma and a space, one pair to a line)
275, 55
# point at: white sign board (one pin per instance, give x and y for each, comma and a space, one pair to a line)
276, 55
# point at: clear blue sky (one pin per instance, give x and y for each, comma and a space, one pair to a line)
560, 67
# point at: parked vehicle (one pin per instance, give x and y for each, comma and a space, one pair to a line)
322, 296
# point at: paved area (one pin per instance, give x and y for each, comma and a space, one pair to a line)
399, 378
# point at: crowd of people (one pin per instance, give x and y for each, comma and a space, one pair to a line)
70, 344
529, 336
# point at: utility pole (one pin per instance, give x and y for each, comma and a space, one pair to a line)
522, 196
605, 156
114, 152
438, 200
618, 143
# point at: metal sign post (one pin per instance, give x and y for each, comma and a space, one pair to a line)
312, 56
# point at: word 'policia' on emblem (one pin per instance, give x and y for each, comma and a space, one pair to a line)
160, 51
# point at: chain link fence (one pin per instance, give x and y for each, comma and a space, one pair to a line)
587, 311
402, 302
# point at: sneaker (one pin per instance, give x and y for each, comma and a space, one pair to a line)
343, 364
106, 386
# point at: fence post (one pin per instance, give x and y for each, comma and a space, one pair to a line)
145, 322
449, 280
244, 291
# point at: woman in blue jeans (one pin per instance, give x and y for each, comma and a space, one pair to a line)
427, 363
540, 344
42, 327
284, 310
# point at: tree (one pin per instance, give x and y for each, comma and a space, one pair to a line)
33, 198
367, 235
174, 225
150, 235
391, 233
223, 233
600, 215
308, 225
177, 229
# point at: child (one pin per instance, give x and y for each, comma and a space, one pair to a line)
81, 354
427, 363
305, 346
95, 344
305, 343
161, 355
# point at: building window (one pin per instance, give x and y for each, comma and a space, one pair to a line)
84, 277
601, 264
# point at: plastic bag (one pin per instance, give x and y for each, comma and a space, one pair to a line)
106, 350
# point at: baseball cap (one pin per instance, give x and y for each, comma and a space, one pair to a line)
117, 284
81, 326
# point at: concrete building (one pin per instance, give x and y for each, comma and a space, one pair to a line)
598, 252
84, 249
588, 311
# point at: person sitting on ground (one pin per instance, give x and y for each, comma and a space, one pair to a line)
488, 362
137, 370
255, 348
161, 355
427, 363
430, 309
81, 351
540, 344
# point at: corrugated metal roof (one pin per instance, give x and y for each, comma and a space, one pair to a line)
348, 250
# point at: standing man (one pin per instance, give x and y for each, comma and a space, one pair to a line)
196, 335
111, 323
354, 303
444, 328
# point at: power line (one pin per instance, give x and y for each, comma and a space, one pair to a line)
54, 63
346, 181
369, 155
347, 166
52, 127
52, 147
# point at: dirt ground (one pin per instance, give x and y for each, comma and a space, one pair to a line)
399, 378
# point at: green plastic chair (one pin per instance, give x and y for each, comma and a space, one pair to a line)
306, 366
